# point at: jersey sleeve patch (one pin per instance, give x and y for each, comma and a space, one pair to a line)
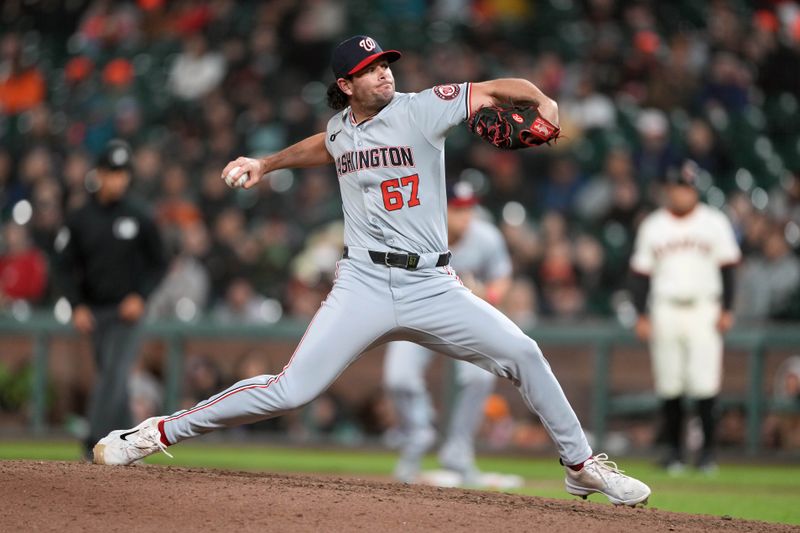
447, 92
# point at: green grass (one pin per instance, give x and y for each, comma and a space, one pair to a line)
757, 492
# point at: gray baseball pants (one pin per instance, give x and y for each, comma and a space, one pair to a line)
370, 305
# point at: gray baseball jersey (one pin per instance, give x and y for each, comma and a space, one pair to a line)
391, 174
390, 164
482, 252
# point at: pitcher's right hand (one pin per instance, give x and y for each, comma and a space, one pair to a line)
244, 172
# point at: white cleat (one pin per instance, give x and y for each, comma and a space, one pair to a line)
601, 475
125, 446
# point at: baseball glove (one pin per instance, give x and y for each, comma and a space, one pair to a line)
513, 127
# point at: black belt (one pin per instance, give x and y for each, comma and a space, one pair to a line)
409, 261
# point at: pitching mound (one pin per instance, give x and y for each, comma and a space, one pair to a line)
63, 496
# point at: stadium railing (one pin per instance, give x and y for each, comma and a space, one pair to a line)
603, 337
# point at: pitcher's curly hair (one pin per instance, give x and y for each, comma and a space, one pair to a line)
337, 100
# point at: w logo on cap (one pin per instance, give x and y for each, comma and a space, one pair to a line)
367, 44
358, 52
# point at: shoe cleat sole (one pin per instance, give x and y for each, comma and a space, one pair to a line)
633, 505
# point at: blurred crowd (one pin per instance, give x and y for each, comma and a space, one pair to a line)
193, 84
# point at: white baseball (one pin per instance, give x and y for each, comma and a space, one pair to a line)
231, 176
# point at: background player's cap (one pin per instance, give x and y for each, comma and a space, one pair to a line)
461, 194
685, 174
116, 155
357, 52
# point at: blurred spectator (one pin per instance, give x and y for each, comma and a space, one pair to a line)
554, 228
313, 271
654, 153
9, 192
47, 216
242, 305
784, 203
106, 26
222, 261
676, 79
118, 74
328, 416
498, 424
508, 182
197, 70
563, 183
316, 202
558, 282
36, 165
214, 196
148, 167
589, 109
176, 208
590, 264
520, 303
276, 251
702, 146
22, 85
23, 268
74, 173
783, 430
184, 291
265, 131
376, 414
728, 85
626, 207
146, 396
769, 282
524, 244
787, 380
315, 27
756, 227
38, 122
203, 379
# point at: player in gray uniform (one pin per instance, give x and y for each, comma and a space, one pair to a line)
393, 282
484, 265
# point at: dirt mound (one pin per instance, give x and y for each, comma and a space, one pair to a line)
64, 496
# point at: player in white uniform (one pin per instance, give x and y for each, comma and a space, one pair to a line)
481, 258
684, 257
393, 281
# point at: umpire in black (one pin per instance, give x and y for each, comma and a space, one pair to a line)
110, 257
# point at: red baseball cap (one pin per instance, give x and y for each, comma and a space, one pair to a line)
461, 194
357, 52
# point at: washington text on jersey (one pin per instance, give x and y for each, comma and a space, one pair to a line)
382, 156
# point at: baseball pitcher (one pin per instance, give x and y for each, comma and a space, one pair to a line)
394, 279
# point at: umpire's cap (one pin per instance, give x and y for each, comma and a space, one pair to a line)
357, 52
461, 194
117, 155
685, 174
